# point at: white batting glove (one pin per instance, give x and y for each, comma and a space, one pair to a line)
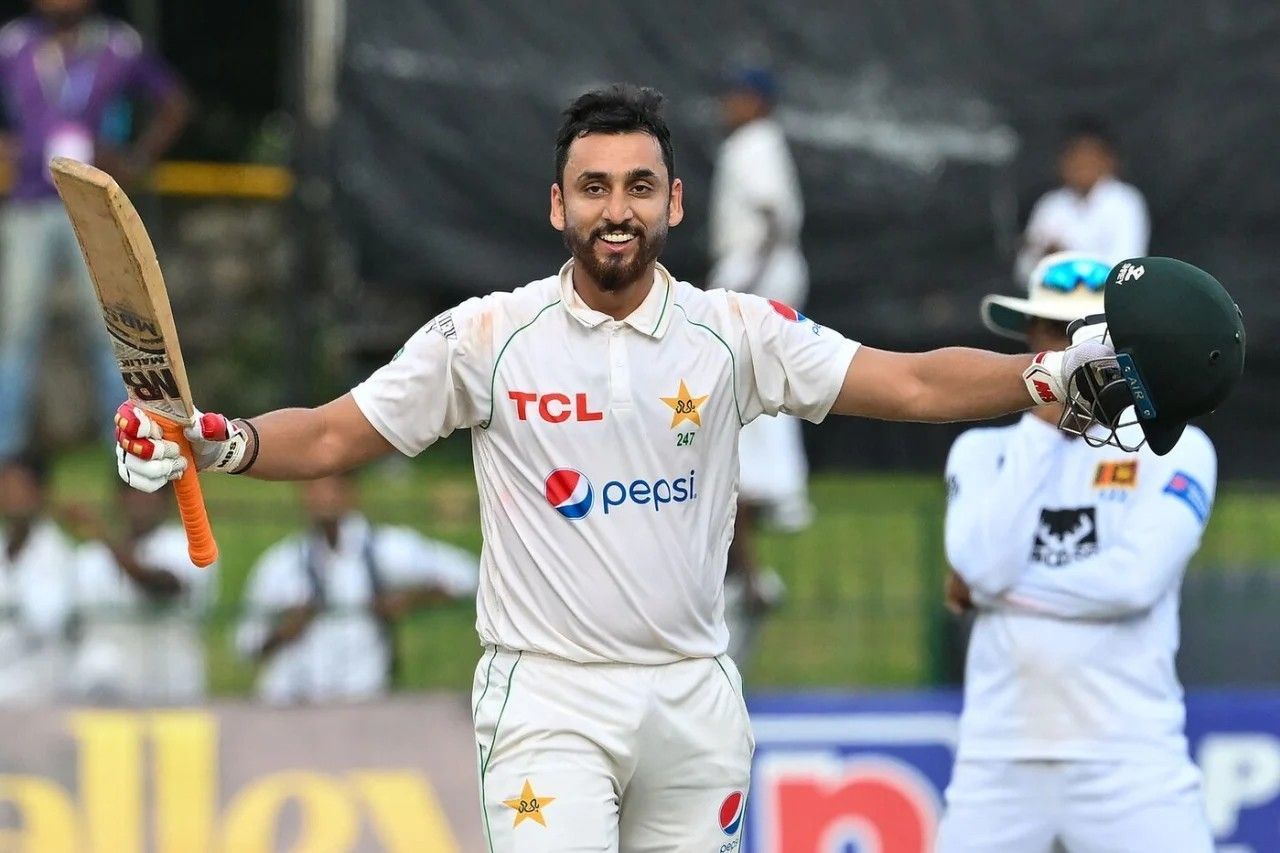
1049, 375
146, 460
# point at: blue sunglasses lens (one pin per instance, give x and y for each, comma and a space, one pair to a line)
1069, 275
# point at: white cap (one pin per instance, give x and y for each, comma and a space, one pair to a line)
1064, 286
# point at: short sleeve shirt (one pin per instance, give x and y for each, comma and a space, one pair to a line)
606, 451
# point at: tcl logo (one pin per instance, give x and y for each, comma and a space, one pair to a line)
553, 408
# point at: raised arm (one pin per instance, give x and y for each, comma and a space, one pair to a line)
952, 384
429, 389
305, 444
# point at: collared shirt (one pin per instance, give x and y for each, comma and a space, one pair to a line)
135, 647
35, 603
342, 654
1075, 556
606, 451
60, 102
1111, 222
755, 173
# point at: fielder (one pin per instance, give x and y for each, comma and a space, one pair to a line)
604, 403
1072, 555
142, 604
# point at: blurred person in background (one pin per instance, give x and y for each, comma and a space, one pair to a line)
36, 565
756, 214
1072, 557
141, 604
322, 605
63, 71
1093, 211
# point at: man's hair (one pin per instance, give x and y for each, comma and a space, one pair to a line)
620, 108
1088, 127
32, 463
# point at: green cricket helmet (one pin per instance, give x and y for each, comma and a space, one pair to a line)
1179, 341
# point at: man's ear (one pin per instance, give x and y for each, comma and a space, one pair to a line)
557, 207
675, 205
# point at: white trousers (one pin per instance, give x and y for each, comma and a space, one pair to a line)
612, 758
1000, 806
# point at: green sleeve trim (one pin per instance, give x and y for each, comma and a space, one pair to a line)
493, 378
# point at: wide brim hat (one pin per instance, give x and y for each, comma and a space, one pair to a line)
1064, 286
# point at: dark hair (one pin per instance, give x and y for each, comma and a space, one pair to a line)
1088, 127
31, 462
620, 108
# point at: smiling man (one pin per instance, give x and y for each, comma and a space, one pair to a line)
605, 403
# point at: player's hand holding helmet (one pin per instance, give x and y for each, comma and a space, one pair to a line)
146, 460
1169, 347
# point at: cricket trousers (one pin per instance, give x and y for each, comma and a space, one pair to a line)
611, 758
1005, 806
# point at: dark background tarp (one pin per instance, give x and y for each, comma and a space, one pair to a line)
923, 130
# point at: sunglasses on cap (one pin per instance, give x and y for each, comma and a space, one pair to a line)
1068, 275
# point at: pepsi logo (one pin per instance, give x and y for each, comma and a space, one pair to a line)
731, 813
787, 311
569, 492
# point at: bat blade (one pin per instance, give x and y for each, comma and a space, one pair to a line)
135, 308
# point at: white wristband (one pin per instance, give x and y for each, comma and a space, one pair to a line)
1043, 378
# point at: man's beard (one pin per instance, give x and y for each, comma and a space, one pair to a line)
613, 272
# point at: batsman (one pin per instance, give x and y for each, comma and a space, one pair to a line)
604, 403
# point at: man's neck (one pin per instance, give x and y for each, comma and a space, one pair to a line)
17, 532
1087, 191
618, 304
329, 532
142, 530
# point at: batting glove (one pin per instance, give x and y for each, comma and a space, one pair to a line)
1049, 375
146, 460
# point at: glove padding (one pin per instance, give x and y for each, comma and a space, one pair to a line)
146, 460
1085, 376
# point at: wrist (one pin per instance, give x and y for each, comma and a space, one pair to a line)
1043, 378
248, 454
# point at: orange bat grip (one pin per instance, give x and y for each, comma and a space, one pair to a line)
195, 520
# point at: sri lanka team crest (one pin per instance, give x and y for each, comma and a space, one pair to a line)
731, 811
787, 311
569, 492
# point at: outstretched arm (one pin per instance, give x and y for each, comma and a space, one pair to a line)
287, 444
952, 384
305, 444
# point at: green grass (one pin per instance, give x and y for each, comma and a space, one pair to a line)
864, 581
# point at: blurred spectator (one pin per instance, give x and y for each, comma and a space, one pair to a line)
756, 214
35, 586
64, 72
322, 604
1093, 211
141, 602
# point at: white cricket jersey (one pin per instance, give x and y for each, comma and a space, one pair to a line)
606, 452
1111, 223
754, 172
134, 646
35, 603
1075, 557
342, 655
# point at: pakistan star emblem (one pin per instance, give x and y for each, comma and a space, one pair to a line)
685, 406
529, 805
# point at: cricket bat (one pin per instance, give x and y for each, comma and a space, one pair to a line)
135, 307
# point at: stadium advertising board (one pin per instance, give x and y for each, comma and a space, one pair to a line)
393, 776
835, 774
